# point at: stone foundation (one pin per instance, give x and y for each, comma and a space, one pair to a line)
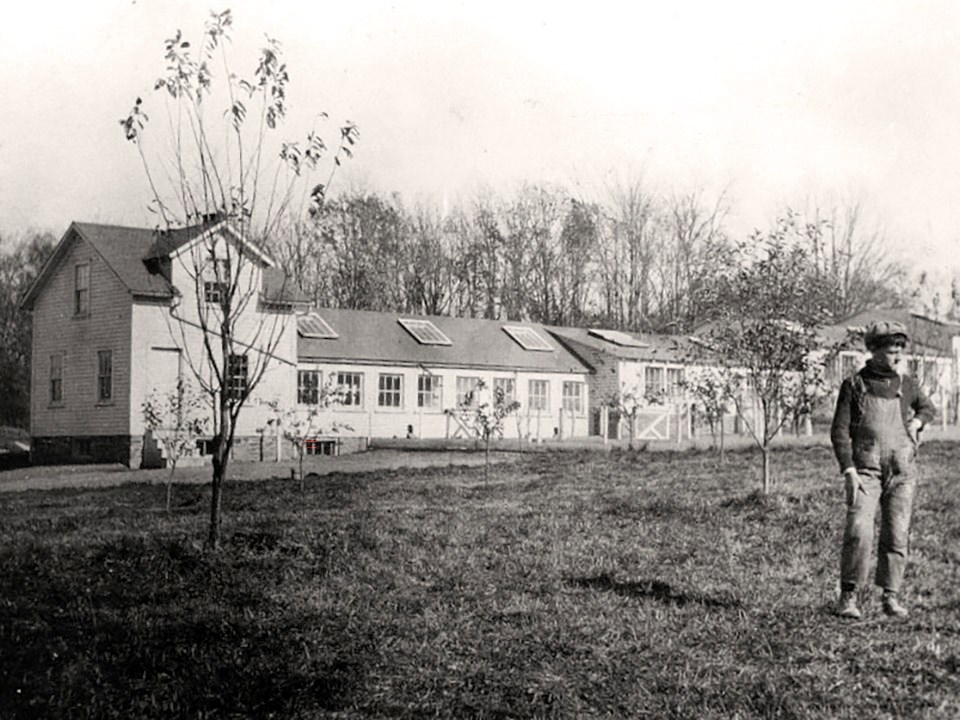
82, 449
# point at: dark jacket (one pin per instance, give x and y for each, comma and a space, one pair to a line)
880, 383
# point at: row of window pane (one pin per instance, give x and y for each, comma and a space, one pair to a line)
430, 391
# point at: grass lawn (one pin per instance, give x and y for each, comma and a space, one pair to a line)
574, 584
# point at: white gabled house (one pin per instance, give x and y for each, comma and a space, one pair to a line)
117, 313
115, 316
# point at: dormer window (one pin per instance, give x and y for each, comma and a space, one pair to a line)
81, 289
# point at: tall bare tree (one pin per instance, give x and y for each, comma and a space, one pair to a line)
851, 251
626, 252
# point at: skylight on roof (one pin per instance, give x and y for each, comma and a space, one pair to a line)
617, 338
527, 338
314, 326
424, 331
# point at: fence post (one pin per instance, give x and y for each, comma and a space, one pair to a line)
605, 423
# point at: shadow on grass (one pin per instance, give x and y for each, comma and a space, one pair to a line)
653, 590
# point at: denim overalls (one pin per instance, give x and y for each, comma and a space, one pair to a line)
885, 457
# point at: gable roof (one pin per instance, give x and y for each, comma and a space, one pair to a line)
377, 338
673, 349
131, 254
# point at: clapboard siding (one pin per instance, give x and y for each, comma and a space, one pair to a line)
57, 330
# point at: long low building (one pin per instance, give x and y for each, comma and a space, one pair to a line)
416, 376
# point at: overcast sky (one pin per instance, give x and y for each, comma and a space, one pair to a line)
772, 103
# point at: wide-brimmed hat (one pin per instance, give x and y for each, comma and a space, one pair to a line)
882, 332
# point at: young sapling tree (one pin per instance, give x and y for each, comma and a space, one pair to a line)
176, 419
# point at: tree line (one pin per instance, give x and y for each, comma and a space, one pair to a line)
637, 260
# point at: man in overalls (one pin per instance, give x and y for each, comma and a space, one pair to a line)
875, 431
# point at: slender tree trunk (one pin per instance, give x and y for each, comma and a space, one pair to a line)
723, 456
766, 470
216, 494
486, 460
302, 487
173, 469
221, 458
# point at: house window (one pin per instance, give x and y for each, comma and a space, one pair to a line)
308, 387
56, 378
573, 397
507, 387
390, 391
675, 382
81, 289
652, 381
429, 391
351, 388
237, 385
214, 292
467, 390
539, 395
104, 375
930, 374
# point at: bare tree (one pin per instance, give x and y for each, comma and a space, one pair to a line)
693, 251
851, 253
626, 252
240, 190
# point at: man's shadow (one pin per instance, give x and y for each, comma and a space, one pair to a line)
652, 590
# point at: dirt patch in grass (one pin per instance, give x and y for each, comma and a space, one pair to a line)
569, 585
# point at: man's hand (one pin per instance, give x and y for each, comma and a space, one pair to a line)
851, 484
913, 429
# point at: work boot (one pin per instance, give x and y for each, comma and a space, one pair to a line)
892, 607
847, 607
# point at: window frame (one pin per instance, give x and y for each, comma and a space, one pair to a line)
237, 383
674, 387
509, 392
568, 399
534, 399
56, 398
214, 291
306, 389
660, 388
434, 393
393, 393
104, 378
78, 298
347, 392
461, 397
